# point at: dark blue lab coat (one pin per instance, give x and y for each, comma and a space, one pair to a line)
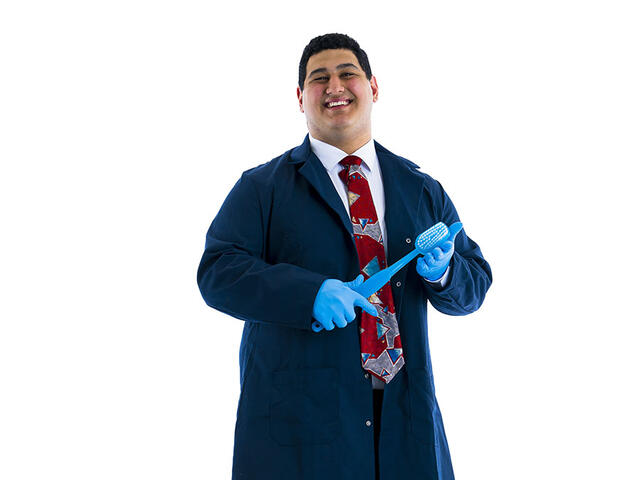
305, 398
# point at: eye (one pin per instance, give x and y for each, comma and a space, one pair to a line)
347, 73
321, 78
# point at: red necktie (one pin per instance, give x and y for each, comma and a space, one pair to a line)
380, 346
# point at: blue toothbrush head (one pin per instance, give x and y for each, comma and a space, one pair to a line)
437, 235
429, 239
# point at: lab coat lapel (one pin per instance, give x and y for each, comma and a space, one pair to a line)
403, 188
315, 173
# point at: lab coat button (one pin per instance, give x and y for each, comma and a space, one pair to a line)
398, 284
368, 423
408, 240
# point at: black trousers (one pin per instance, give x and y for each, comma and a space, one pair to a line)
377, 413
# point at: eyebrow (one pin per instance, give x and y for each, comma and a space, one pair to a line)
323, 69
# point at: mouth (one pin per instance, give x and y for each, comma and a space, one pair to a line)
338, 104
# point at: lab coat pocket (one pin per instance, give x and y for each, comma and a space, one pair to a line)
422, 405
303, 406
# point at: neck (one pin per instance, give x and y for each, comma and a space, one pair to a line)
346, 144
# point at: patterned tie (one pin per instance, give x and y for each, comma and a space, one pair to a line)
380, 346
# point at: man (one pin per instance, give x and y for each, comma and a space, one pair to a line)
291, 242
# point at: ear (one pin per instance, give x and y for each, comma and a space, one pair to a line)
374, 88
299, 94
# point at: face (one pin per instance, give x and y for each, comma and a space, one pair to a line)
336, 76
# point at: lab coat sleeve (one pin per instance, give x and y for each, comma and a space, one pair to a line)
469, 273
233, 277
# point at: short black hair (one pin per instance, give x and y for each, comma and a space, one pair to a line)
332, 41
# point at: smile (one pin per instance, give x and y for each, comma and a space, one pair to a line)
337, 104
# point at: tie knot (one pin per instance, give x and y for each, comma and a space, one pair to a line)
347, 162
350, 160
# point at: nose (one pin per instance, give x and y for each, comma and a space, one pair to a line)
335, 85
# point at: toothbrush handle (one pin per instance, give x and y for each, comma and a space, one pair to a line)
375, 282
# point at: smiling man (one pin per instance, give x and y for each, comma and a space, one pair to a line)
337, 96
333, 384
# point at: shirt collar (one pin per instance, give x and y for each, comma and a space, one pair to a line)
330, 156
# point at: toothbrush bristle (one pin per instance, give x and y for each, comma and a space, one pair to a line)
429, 239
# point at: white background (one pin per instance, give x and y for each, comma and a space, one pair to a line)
124, 124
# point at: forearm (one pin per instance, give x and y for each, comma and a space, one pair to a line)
248, 288
469, 273
469, 279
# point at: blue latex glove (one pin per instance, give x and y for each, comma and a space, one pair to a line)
336, 301
434, 263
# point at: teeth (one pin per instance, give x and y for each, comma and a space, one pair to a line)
342, 102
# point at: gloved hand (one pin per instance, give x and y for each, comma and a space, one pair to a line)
434, 263
336, 301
